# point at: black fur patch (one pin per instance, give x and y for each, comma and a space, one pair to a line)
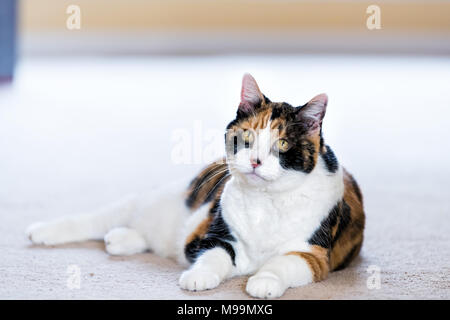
283, 110
232, 123
344, 220
235, 144
296, 158
276, 113
330, 160
218, 235
322, 236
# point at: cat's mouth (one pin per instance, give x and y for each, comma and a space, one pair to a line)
249, 174
253, 175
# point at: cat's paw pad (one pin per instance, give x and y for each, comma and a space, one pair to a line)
197, 280
44, 233
266, 285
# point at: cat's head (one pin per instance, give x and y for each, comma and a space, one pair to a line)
269, 140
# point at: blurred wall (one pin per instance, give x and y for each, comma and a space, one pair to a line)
204, 26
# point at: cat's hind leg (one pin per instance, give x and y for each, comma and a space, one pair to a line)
90, 226
124, 241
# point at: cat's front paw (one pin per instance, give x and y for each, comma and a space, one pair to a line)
265, 285
45, 233
197, 280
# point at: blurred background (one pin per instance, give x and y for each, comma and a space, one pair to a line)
233, 26
92, 92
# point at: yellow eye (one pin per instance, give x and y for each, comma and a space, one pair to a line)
247, 136
282, 145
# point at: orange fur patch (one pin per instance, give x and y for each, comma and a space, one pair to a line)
317, 260
350, 241
258, 121
201, 230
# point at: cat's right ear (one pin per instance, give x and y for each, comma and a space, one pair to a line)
313, 112
251, 96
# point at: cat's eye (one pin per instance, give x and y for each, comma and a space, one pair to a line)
282, 145
247, 136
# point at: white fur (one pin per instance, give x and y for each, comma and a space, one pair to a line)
124, 241
278, 274
83, 227
147, 222
272, 221
270, 213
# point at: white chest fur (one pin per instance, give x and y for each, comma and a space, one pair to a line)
266, 223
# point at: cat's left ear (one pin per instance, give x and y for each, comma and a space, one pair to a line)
313, 112
251, 96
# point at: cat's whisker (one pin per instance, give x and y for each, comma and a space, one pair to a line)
217, 173
215, 185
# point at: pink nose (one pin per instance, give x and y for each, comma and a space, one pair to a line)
256, 163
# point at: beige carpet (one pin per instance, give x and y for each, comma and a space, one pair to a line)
76, 134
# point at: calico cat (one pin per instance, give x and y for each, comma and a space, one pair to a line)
278, 207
